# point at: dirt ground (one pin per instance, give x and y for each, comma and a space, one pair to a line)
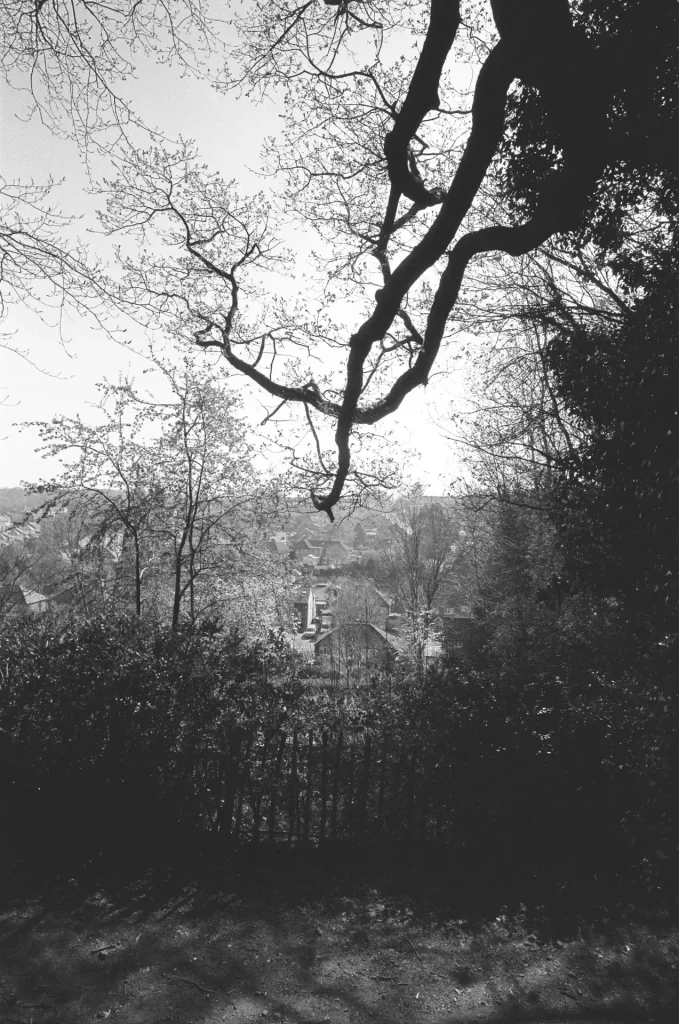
310, 947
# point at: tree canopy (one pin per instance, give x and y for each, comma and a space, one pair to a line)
408, 176
419, 139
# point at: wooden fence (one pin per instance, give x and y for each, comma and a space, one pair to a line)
309, 787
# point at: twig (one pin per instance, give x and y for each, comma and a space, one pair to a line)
414, 950
273, 413
189, 981
103, 948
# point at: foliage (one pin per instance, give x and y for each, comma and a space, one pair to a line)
406, 173
641, 110
72, 58
70, 61
38, 266
425, 551
386, 158
123, 719
15, 566
162, 489
618, 491
136, 735
606, 320
577, 420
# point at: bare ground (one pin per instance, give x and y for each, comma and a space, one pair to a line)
308, 946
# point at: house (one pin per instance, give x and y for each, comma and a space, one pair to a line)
354, 652
16, 533
336, 552
303, 530
306, 552
31, 601
305, 610
278, 546
312, 607
381, 599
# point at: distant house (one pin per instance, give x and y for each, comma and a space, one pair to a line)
381, 599
33, 601
16, 533
336, 552
325, 595
301, 606
306, 552
354, 651
304, 530
278, 546
312, 607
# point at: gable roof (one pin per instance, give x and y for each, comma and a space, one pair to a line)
32, 597
335, 542
343, 626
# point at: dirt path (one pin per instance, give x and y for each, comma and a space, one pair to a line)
238, 955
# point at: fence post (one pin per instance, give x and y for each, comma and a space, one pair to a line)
324, 787
309, 783
439, 808
274, 783
242, 777
256, 799
403, 754
411, 796
383, 775
225, 816
350, 798
364, 790
293, 788
335, 785
423, 790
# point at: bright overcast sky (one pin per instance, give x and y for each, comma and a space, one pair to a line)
229, 132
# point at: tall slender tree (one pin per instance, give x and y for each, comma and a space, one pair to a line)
171, 475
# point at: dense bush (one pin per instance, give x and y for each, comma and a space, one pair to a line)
139, 738
119, 721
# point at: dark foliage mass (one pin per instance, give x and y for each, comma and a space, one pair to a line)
635, 63
138, 742
617, 377
117, 724
546, 757
618, 493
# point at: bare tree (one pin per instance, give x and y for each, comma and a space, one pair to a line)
71, 61
15, 570
397, 170
424, 552
73, 58
172, 477
38, 266
406, 175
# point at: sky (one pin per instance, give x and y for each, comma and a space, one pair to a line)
65, 361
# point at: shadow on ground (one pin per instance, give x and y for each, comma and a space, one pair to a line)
308, 939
